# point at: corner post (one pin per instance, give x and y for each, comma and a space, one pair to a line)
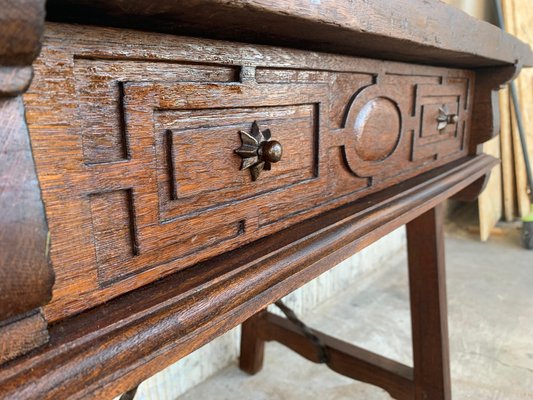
427, 283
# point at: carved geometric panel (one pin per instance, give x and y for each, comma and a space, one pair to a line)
374, 129
100, 95
182, 139
197, 165
135, 150
430, 142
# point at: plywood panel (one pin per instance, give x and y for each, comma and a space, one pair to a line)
508, 180
519, 21
490, 201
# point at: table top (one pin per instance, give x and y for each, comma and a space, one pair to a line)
427, 32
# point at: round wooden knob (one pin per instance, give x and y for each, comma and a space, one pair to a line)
272, 151
453, 118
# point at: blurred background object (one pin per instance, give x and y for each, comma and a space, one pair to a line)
506, 196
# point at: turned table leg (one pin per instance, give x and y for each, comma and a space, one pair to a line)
425, 245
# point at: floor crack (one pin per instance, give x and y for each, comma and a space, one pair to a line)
497, 360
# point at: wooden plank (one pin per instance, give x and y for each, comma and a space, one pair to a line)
135, 339
519, 170
407, 30
518, 16
490, 200
507, 157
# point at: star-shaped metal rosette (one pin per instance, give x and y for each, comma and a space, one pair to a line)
444, 118
257, 151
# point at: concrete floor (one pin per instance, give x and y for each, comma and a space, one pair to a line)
490, 302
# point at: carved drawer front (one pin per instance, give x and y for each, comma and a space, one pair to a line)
190, 194
160, 152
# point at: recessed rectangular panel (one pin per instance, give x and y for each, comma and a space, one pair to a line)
201, 169
429, 120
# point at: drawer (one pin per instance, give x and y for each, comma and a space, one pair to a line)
182, 180
136, 147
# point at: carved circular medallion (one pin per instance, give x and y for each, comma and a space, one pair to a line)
377, 129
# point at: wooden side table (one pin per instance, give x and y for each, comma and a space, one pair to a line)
181, 166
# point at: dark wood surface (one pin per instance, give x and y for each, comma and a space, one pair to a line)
252, 345
159, 242
427, 32
26, 277
135, 339
429, 317
151, 183
485, 120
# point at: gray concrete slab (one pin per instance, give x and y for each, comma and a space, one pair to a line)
490, 297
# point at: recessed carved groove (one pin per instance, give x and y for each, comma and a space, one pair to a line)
185, 62
171, 168
316, 139
122, 121
216, 237
114, 230
133, 223
100, 86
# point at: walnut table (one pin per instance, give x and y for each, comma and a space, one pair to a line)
175, 167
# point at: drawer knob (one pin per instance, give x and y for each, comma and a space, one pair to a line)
257, 151
444, 118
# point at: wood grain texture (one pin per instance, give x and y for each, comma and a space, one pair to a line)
506, 140
490, 202
26, 277
252, 348
22, 334
143, 129
429, 318
134, 339
486, 119
159, 242
407, 30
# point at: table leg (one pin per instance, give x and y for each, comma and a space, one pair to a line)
252, 345
425, 245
